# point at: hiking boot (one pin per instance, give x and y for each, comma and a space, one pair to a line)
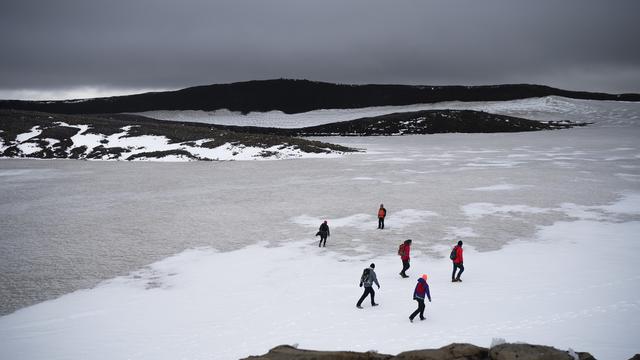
459, 280
374, 304
423, 318
453, 280
410, 319
359, 307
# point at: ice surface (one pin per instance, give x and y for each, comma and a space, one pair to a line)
499, 187
543, 239
203, 304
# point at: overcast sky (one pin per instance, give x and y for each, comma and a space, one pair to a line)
84, 48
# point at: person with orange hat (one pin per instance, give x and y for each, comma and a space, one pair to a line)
422, 289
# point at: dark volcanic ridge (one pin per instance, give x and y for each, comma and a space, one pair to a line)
132, 137
417, 123
296, 96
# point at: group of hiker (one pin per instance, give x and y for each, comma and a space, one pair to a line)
421, 291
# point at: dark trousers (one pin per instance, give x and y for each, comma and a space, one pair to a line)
380, 223
419, 310
405, 267
457, 266
323, 238
367, 290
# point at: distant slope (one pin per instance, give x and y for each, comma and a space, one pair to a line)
295, 96
415, 123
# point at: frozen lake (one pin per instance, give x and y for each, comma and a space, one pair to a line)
68, 225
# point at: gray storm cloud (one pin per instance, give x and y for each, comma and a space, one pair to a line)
583, 45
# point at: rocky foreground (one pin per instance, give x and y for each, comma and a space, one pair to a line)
449, 352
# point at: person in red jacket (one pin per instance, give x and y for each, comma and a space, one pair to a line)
382, 213
422, 289
405, 249
457, 263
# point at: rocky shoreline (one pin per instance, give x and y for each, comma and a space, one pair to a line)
450, 352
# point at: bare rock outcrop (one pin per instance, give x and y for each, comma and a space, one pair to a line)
450, 352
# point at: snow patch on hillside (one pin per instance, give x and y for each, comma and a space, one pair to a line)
136, 146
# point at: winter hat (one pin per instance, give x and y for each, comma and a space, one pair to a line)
373, 266
460, 243
424, 276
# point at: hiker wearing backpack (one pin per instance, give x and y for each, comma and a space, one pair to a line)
382, 213
367, 279
422, 289
456, 257
403, 251
323, 232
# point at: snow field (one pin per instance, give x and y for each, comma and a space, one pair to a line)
576, 286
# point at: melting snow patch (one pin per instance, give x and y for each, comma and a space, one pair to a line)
35, 131
455, 232
629, 204
360, 221
29, 148
403, 218
82, 138
478, 210
499, 187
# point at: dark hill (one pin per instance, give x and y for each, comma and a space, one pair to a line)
413, 123
295, 96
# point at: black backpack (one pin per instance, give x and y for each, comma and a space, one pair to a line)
365, 275
401, 249
454, 253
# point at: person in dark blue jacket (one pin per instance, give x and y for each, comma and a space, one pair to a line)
422, 289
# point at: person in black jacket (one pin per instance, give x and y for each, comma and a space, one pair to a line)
324, 233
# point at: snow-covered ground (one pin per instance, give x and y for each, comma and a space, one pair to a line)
549, 221
575, 287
